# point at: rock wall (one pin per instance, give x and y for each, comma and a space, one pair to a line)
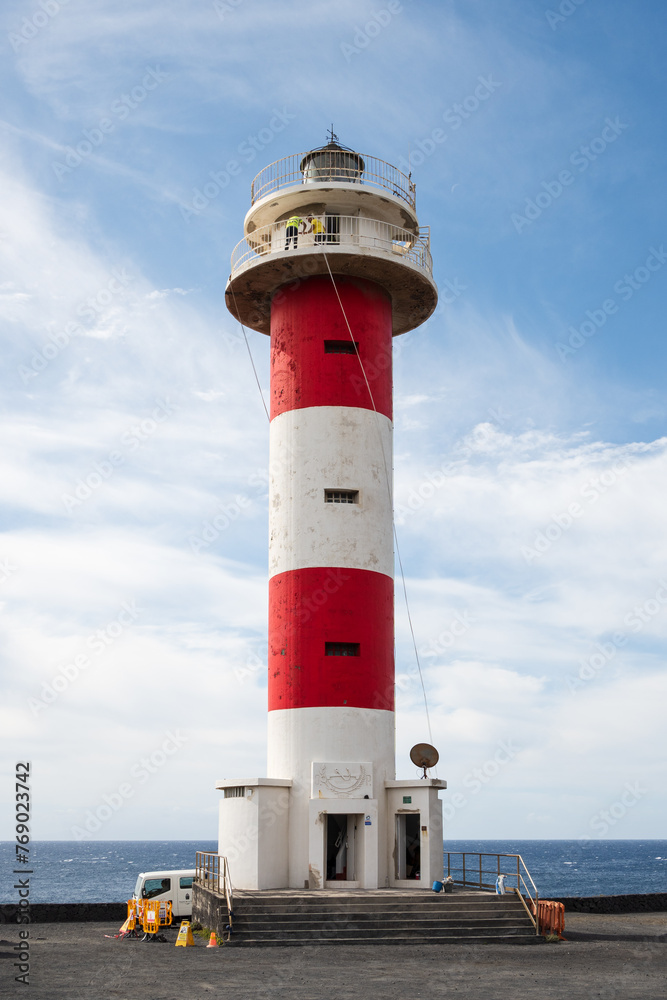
210, 910
49, 913
629, 903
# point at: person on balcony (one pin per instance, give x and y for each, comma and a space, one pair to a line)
292, 230
316, 227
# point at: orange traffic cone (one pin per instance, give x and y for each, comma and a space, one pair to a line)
213, 941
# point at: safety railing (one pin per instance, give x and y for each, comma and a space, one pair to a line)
475, 873
333, 166
149, 914
212, 872
339, 232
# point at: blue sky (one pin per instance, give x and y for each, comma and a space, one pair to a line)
530, 431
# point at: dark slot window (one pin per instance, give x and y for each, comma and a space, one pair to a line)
341, 496
341, 649
341, 347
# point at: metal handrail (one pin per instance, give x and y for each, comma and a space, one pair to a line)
287, 172
475, 877
212, 873
340, 232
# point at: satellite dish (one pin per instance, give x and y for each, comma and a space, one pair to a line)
424, 755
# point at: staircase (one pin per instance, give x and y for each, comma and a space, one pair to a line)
382, 916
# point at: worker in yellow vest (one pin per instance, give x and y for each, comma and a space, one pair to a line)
316, 227
292, 230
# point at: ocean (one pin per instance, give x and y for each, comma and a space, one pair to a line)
105, 871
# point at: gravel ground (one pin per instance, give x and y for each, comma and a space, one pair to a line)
605, 958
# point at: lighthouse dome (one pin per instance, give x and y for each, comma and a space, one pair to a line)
333, 162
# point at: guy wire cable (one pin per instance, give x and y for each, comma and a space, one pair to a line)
251, 358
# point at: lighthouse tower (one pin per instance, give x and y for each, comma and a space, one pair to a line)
332, 266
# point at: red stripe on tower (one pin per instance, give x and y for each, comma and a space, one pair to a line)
331, 639
309, 335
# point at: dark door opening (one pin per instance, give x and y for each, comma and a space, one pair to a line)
408, 846
337, 848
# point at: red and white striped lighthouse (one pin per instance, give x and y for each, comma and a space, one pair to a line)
333, 265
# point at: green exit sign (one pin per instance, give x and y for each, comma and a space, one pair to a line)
407, 799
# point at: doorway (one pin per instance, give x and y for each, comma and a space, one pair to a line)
408, 846
341, 843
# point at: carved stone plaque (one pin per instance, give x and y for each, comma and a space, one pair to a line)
342, 780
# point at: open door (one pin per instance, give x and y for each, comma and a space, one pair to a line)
341, 844
408, 846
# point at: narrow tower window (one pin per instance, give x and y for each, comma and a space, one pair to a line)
341, 649
341, 346
341, 496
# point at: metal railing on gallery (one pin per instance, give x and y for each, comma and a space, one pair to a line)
340, 233
332, 166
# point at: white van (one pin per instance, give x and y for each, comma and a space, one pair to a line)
173, 885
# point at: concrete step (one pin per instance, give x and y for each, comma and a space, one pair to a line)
423, 899
393, 940
313, 904
376, 898
358, 907
379, 921
372, 915
411, 930
369, 919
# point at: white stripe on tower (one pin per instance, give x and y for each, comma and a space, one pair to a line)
329, 447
